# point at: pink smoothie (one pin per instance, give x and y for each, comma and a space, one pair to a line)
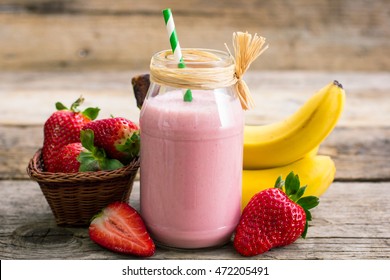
191, 166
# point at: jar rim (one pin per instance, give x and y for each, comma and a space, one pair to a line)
194, 58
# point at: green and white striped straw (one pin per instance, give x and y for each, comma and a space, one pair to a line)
175, 45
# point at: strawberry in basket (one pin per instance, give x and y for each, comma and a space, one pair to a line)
83, 156
62, 128
66, 161
68, 151
119, 137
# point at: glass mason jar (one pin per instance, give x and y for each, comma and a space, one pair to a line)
191, 155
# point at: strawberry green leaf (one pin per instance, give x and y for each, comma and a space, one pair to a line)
131, 146
91, 113
97, 161
88, 162
87, 138
279, 183
308, 202
299, 193
94, 158
99, 153
60, 106
292, 184
308, 215
110, 164
303, 235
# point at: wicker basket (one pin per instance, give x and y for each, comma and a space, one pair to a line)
75, 198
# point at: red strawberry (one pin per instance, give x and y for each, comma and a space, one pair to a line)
84, 156
121, 229
62, 128
94, 158
119, 137
274, 218
66, 161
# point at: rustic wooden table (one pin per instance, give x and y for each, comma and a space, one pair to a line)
351, 222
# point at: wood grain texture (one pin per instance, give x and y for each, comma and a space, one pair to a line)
359, 145
29, 97
360, 154
351, 222
28, 230
313, 35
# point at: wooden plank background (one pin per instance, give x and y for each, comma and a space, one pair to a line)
348, 225
324, 35
57, 50
359, 144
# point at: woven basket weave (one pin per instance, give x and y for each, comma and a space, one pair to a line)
75, 198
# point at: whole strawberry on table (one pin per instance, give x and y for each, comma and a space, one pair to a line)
274, 217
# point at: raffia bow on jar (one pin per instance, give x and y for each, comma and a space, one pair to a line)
204, 71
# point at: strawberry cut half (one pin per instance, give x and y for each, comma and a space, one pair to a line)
119, 228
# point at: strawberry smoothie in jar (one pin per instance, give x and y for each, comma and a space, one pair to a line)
191, 150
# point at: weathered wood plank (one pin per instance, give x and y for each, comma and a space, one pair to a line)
29, 97
327, 35
359, 143
359, 229
18, 145
346, 10
360, 153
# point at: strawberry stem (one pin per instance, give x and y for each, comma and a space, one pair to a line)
90, 113
76, 104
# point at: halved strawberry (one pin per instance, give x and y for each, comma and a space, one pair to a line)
121, 229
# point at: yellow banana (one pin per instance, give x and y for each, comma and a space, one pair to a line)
291, 139
317, 172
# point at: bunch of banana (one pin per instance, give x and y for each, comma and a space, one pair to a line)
291, 145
